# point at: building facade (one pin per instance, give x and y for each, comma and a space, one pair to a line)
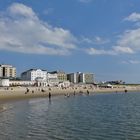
86, 78
52, 79
4, 82
79, 77
34, 74
7, 71
61, 75
73, 77
21, 83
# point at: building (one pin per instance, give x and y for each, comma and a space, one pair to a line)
64, 84
105, 85
4, 82
117, 82
22, 83
73, 77
42, 77
62, 76
33, 74
7, 71
79, 77
86, 78
52, 79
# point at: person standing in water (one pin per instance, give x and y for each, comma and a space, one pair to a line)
49, 95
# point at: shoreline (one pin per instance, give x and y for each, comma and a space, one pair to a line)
20, 93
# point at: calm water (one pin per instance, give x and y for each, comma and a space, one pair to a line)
94, 117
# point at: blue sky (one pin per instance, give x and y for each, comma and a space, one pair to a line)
99, 36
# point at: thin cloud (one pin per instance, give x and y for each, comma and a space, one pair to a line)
127, 43
85, 1
134, 62
130, 40
119, 49
93, 51
113, 51
22, 31
48, 11
95, 41
133, 17
131, 62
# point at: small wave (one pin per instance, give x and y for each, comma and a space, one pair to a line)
35, 101
3, 108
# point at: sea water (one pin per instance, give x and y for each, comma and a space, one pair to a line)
82, 117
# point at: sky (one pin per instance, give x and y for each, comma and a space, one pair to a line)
98, 36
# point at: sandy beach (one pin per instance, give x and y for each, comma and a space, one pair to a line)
17, 93
21, 93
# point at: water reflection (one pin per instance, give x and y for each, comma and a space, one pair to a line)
99, 117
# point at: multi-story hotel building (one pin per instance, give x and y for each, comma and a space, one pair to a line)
73, 77
79, 77
7, 71
52, 79
34, 74
61, 75
87, 78
42, 76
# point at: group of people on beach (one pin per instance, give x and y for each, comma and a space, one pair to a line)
68, 93
42, 90
74, 93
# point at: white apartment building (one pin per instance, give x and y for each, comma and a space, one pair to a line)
87, 78
52, 79
34, 74
7, 71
